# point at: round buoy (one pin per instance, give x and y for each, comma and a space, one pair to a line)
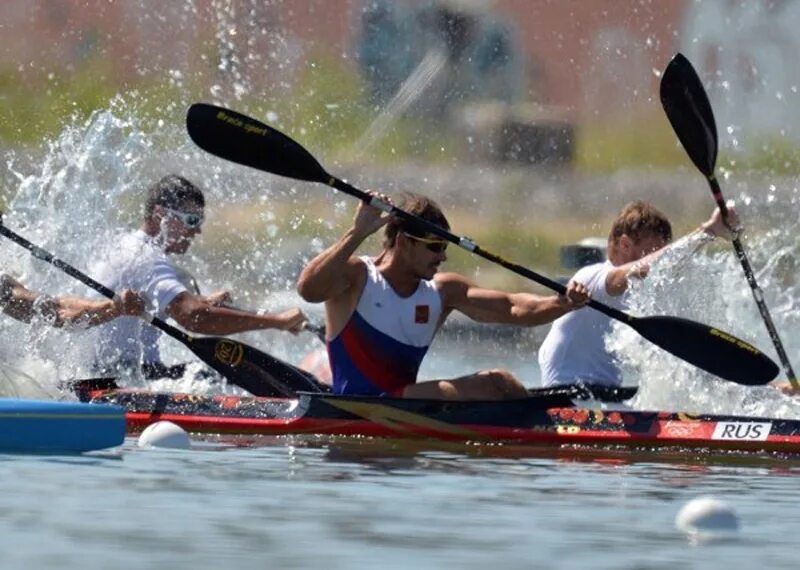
707, 517
164, 434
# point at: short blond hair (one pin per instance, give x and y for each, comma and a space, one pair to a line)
638, 220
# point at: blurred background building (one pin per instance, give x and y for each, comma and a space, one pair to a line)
514, 77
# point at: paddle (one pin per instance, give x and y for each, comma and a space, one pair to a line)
689, 111
317, 330
246, 141
242, 365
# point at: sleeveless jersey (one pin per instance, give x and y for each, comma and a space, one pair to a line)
381, 347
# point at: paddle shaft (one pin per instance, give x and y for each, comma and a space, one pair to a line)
44, 255
471, 246
758, 294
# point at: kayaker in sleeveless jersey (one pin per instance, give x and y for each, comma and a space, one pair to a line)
381, 347
574, 349
382, 313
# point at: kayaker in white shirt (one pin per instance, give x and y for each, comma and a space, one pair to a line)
174, 214
574, 349
383, 312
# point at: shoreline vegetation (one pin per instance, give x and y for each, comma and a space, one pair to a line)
329, 104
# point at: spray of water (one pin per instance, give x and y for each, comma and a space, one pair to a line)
411, 90
88, 191
710, 287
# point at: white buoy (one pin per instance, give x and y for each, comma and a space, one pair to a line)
164, 434
707, 518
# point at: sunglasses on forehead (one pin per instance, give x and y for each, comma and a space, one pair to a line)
434, 245
188, 219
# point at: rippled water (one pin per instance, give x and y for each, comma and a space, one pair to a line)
370, 504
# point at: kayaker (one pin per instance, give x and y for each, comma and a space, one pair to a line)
574, 349
173, 217
382, 313
25, 305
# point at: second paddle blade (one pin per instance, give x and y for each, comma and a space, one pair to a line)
687, 107
711, 349
255, 371
244, 140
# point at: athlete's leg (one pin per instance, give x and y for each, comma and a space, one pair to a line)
494, 384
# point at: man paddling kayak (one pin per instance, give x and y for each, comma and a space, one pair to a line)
25, 305
174, 214
382, 313
574, 349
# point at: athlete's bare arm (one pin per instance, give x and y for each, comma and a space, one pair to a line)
492, 306
200, 314
23, 304
335, 276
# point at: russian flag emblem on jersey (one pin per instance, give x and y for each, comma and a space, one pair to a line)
422, 313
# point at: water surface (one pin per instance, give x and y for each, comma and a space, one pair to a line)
369, 504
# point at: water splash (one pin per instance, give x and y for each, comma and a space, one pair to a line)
412, 88
710, 287
88, 189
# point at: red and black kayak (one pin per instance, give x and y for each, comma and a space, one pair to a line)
547, 418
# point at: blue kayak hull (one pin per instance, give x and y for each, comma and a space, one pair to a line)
37, 426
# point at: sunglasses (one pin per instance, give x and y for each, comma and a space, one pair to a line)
433, 245
189, 220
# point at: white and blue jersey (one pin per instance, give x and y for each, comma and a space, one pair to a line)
380, 349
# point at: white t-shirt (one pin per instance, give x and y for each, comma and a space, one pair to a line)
574, 349
138, 263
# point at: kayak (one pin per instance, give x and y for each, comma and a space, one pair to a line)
533, 421
36, 426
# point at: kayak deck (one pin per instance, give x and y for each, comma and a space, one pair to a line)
530, 421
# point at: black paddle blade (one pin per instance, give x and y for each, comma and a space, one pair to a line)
687, 107
713, 350
242, 139
255, 371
